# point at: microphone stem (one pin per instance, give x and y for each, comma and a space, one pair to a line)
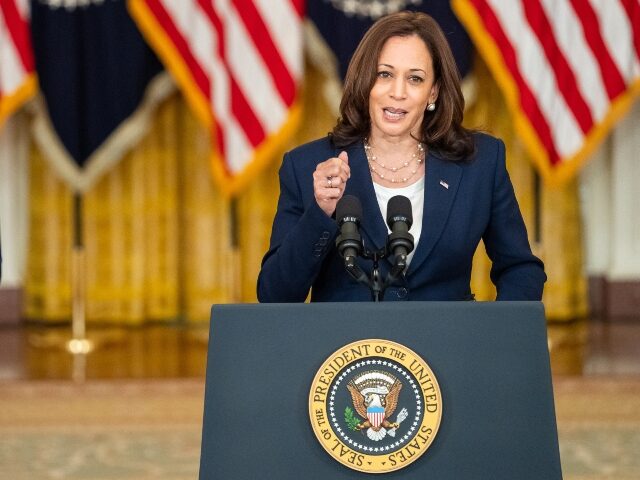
377, 288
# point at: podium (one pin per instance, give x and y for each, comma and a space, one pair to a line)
490, 359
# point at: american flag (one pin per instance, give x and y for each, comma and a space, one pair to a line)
569, 69
17, 77
238, 63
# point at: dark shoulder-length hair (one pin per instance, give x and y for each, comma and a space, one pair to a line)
442, 129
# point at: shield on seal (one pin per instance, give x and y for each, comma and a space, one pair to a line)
375, 416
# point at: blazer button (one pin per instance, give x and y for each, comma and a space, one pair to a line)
402, 292
325, 235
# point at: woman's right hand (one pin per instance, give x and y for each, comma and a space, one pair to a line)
329, 181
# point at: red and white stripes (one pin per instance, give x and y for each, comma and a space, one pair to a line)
17, 81
241, 58
568, 67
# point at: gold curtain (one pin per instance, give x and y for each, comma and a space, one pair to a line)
162, 243
156, 233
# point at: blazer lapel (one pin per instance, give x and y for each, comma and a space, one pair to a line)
442, 179
372, 226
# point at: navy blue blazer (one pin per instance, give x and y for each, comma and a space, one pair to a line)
478, 203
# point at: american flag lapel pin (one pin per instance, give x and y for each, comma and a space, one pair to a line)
444, 184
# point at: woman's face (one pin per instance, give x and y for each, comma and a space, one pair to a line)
403, 88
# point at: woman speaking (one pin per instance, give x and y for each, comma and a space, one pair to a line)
400, 133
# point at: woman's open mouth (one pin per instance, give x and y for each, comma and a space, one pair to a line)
393, 113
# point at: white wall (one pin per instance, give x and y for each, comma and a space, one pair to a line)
14, 201
610, 195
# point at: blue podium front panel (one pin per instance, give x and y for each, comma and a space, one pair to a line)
490, 360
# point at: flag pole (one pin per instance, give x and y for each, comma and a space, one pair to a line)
79, 343
79, 346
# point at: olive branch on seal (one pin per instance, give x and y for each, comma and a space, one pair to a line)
350, 419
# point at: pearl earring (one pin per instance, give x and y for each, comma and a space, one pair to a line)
431, 107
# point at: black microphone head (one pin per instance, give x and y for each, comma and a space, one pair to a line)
348, 208
399, 210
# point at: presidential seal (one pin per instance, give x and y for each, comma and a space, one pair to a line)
375, 406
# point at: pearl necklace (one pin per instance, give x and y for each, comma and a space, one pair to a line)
418, 156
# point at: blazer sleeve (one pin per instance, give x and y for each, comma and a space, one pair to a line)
516, 272
301, 237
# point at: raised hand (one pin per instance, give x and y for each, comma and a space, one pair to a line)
329, 181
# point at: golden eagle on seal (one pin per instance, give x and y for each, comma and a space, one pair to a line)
375, 398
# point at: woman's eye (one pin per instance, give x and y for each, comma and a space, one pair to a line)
384, 74
416, 79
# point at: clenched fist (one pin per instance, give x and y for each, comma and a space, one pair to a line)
329, 181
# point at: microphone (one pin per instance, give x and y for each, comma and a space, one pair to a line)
400, 241
349, 242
